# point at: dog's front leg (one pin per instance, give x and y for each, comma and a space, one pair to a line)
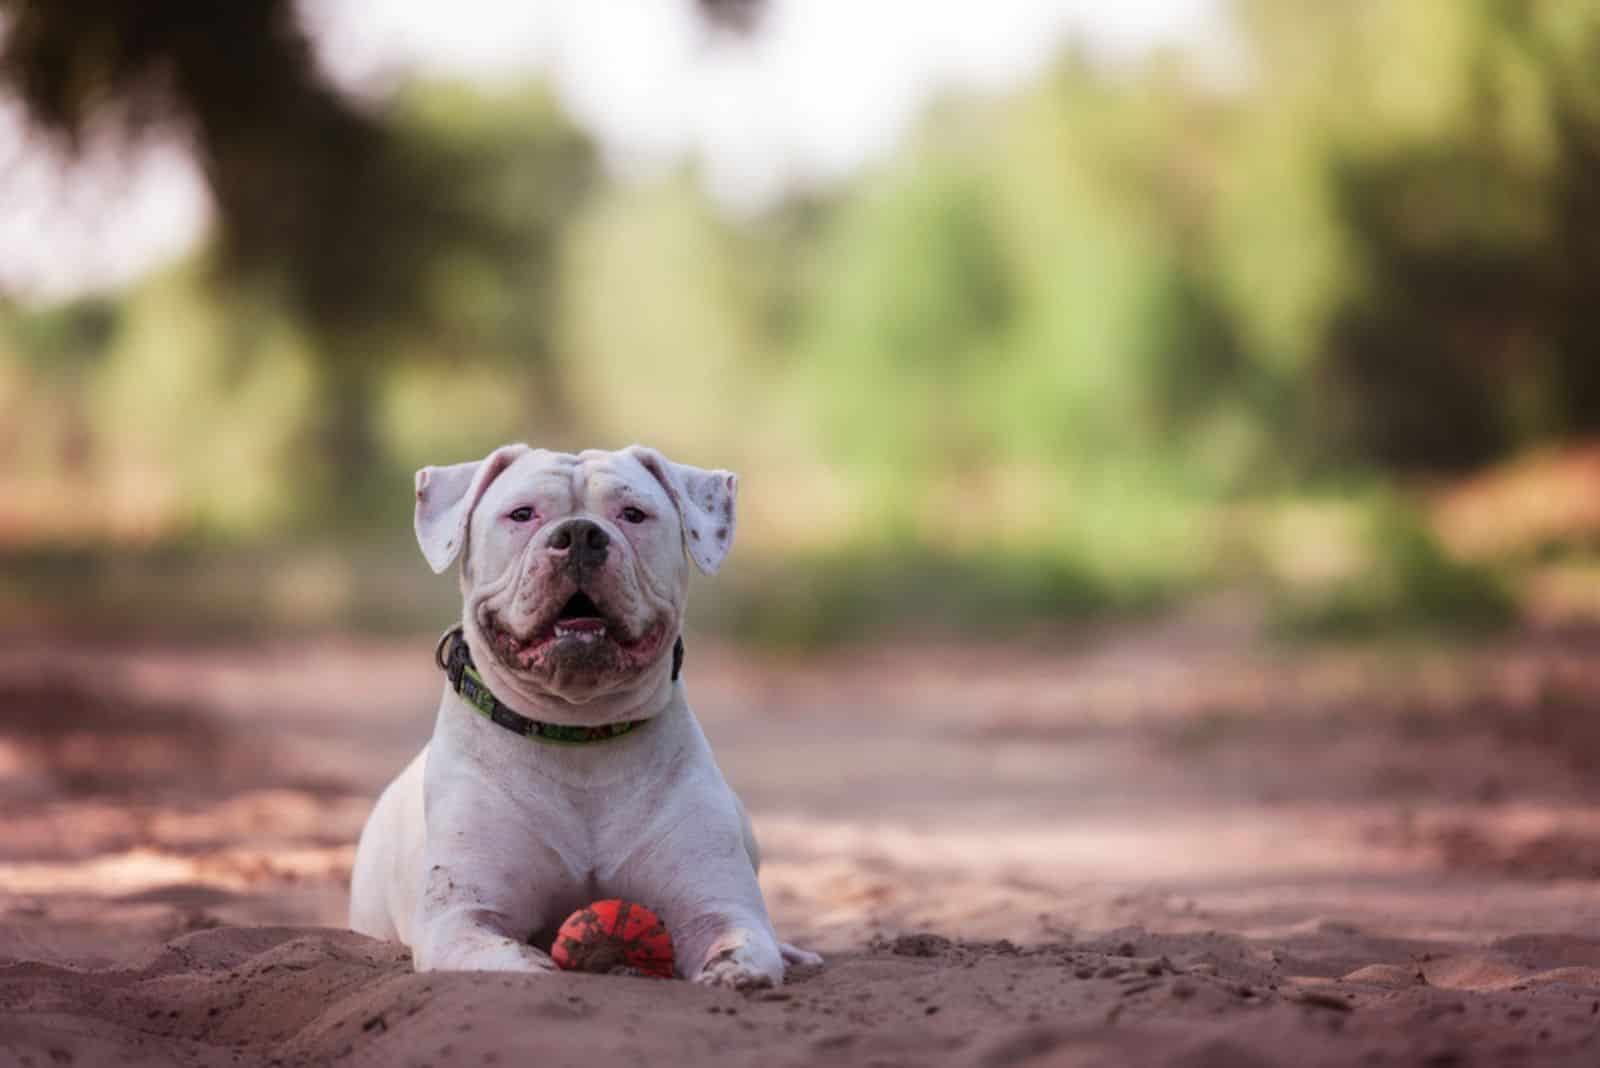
483, 891
700, 867
468, 922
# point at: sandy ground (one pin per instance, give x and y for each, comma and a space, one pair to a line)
1158, 845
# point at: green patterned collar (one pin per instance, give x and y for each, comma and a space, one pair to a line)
456, 660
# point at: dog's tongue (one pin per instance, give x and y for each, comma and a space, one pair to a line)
584, 623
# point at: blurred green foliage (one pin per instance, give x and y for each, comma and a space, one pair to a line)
1406, 581
1038, 363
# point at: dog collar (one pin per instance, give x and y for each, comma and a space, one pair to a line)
453, 656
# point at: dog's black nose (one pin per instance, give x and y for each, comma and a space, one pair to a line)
584, 541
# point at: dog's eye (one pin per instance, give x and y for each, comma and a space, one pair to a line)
633, 515
521, 515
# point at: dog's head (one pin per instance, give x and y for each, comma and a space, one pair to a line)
574, 567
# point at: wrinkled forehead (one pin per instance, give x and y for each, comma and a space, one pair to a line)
563, 481
617, 476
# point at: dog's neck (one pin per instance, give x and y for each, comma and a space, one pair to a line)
634, 757
657, 697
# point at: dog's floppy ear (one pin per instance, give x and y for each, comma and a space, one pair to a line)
704, 500
446, 497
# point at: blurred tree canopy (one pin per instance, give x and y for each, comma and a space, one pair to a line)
349, 214
1455, 150
1071, 316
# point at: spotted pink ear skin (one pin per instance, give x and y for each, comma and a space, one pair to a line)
705, 503
724, 532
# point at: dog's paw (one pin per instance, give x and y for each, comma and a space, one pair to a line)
730, 971
794, 955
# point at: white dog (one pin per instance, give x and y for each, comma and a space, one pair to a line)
565, 765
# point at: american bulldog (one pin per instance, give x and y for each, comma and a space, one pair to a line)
565, 764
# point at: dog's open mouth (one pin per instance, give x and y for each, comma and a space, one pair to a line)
581, 631
580, 618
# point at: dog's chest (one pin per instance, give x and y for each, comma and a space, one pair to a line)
585, 844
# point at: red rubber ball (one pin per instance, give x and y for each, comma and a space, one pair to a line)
612, 936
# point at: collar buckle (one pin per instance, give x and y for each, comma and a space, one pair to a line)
452, 656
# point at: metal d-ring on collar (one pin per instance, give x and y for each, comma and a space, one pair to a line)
455, 660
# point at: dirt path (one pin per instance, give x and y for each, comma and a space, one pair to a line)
1164, 845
